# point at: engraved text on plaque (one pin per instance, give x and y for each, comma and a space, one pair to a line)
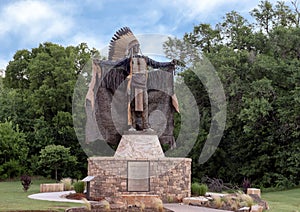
138, 176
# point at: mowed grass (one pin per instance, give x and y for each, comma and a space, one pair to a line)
13, 198
283, 201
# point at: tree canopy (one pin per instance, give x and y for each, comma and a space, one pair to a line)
259, 66
36, 99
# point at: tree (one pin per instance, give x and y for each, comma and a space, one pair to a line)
283, 15
37, 96
264, 15
236, 31
260, 72
57, 158
13, 151
204, 36
296, 12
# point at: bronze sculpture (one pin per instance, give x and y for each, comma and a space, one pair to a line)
125, 82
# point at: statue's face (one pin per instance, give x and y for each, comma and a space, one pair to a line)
135, 49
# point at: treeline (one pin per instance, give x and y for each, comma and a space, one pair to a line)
259, 66
36, 110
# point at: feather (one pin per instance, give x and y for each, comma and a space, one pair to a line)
120, 43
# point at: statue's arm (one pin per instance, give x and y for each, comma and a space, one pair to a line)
156, 64
121, 62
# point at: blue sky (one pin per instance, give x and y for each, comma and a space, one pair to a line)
25, 24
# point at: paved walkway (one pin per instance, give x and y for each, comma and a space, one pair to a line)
58, 197
54, 196
189, 208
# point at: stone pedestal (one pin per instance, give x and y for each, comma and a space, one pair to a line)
139, 146
139, 167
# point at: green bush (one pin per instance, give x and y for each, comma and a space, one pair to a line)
79, 187
195, 189
199, 189
203, 189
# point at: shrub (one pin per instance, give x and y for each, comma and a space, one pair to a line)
79, 187
26, 182
218, 202
67, 183
195, 189
199, 189
203, 189
246, 185
214, 184
246, 200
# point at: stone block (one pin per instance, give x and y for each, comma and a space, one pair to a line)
256, 208
253, 191
148, 201
194, 201
51, 187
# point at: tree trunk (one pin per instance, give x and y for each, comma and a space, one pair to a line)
56, 174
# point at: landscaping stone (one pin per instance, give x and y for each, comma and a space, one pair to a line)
256, 208
51, 187
253, 191
149, 201
213, 194
195, 200
244, 209
259, 201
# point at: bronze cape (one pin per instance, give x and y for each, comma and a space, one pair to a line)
106, 101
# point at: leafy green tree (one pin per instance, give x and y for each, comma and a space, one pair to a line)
260, 75
57, 158
16, 75
283, 15
296, 12
264, 15
236, 31
37, 96
204, 36
13, 151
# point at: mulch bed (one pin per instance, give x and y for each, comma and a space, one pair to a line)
75, 196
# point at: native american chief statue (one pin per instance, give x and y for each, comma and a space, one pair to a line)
126, 89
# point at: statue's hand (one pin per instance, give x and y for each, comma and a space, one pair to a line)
177, 62
174, 62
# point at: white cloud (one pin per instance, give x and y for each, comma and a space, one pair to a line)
35, 20
152, 43
209, 10
85, 37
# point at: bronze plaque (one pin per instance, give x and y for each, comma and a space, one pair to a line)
138, 176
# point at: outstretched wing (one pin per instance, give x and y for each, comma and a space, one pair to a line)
120, 43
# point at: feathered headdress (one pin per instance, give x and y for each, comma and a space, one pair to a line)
120, 44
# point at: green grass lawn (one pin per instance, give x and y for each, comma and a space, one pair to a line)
12, 197
283, 201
